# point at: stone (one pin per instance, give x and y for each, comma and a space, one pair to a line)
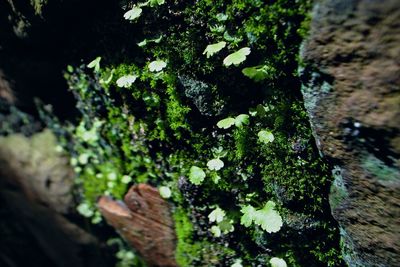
351, 89
145, 222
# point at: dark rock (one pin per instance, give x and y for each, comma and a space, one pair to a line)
145, 222
352, 94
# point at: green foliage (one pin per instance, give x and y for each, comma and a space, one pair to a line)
265, 136
267, 217
237, 57
226, 123
277, 262
215, 164
160, 128
196, 175
133, 14
214, 48
157, 65
126, 81
258, 73
95, 64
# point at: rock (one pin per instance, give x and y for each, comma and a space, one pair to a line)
42, 173
35, 196
145, 222
351, 88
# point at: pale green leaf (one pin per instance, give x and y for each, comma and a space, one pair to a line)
215, 164
126, 179
154, 3
133, 14
142, 43
213, 48
107, 77
215, 230
237, 57
242, 119
217, 215
249, 214
265, 136
157, 65
95, 64
226, 123
277, 262
126, 81
196, 175
221, 17
237, 263
257, 73
165, 191
268, 218
226, 226
85, 210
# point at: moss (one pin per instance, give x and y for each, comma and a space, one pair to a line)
163, 124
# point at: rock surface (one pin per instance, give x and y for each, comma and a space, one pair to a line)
35, 185
352, 94
145, 222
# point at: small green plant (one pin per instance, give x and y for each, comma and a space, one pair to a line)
165, 191
126, 81
214, 48
267, 217
133, 14
258, 73
196, 175
95, 64
265, 136
237, 57
277, 262
215, 164
157, 65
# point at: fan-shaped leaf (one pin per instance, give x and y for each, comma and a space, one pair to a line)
157, 65
133, 14
226, 123
277, 262
215, 164
265, 136
213, 48
126, 81
196, 175
268, 218
237, 57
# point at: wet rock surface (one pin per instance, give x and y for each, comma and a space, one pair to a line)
352, 94
145, 222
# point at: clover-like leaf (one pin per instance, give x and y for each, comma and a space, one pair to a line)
133, 14
265, 136
237, 57
107, 77
165, 191
154, 3
257, 73
95, 64
215, 164
85, 210
215, 230
213, 48
221, 17
226, 226
249, 214
226, 123
237, 263
217, 215
157, 65
277, 262
242, 119
268, 218
126, 81
196, 175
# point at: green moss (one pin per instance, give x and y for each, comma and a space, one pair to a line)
164, 123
